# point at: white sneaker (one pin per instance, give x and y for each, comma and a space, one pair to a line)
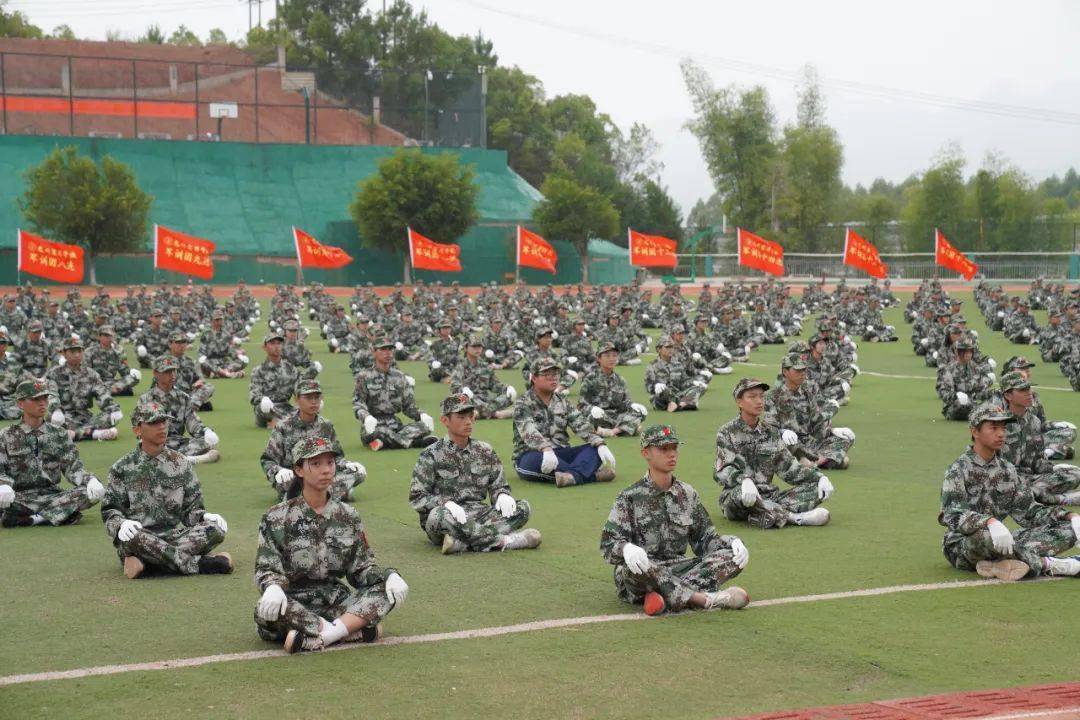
733, 598
452, 546
1069, 566
816, 517
526, 539
210, 456
106, 434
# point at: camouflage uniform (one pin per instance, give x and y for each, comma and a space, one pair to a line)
384, 395
34, 356
156, 343
275, 381
10, 374
807, 414
111, 364
467, 476
664, 523
179, 406
188, 380
32, 462
74, 391
164, 494
309, 554
967, 378
447, 353
488, 392
578, 350
217, 355
284, 437
759, 454
609, 392
683, 385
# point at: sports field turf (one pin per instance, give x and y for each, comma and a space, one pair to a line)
65, 603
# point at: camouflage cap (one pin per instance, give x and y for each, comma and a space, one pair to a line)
31, 388
577, 321
150, 412
443, 324
748, 383
165, 363
989, 412
218, 314
1018, 362
664, 341
292, 325
793, 361
178, 336
799, 346
382, 341
678, 329
605, 346
34, 326
273, 335
964, 342
3, 338
458, 402
1014, 380
72, 343
310, 447
545, 363
816, 337
308, 386
659, 435
156, 311
541, 332
106, 329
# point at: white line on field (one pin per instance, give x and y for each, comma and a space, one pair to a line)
1036, 713
468, 634
914, 377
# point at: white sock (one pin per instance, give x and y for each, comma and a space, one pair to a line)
38, 520
333, 631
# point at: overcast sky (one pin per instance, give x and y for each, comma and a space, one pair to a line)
909, 60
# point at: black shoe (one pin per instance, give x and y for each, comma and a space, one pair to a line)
426, 441
1069, 453
72, 519
219, 564
126, 392
370, 633
206, 406
12, 519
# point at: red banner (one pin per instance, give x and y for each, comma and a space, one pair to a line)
949, 257
182, 253
425, 254
48, 259
535, 252
651, 250
312, 253
761, 254
861, 253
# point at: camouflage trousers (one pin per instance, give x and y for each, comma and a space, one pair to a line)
830, 447
769, 337
176, 551
217, 367
1060, 440
955, 411
55, 506
917, 346
280, 411
441, 373
772, 511
628, 423
201, 393
690, 395
1030, 546
84, 424
124, 385
344, 482
1049, 487
483, 529
487, 404
879, 334
677, 579
329, 600
396, 435
188, 445
409, 352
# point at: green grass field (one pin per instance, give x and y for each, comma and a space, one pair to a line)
66, 604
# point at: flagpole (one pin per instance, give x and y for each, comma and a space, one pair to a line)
155, 253
299, 264
517, 257
937, 271
408, 236
18, 256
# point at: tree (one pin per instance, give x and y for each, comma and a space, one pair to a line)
15, 24
575, 213
936, 201
63, 32
183, 36
153, 35
217, 36
433, 194
518, 122
736, 131
880, 210
72, 199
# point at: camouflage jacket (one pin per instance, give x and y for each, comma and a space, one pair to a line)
34, 459
76, 390
579, 346
445, 472
384, 395
288, 432
163, 492
537, 425
976, 490
606, 390
662, 522
55, 327
34, 356
180, 407
361, 354
216, 344
801, 410
296, 353
109, 362
276, 381
1024, 445
156, 342
447, 351
410, 335
299, 547
676, 375
957, 377
337, 328
759, 454
500, 343
478, 377
13, 321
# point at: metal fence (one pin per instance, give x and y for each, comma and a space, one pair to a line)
71, 95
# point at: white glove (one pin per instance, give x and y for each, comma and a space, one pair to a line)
1001, 313
237, 340
639, 409
739, 553
845, 386
190, 336
1063, 425
135, 374
245, 359
335, 343
272, 603
127, 530
845, 433
511, 392
778, 326
636, 559
217, 520
456, 511
467, 391
1075, 521
326, 327
57, 417
410, 380
428, 422
140, 350
854, 358
659, 388
7, 496
370, 423
1049, 453
283, 478
489, 354
606, 456
869, 328
202, 359
94, 489
727, 355
396, 589
116, 416
549, 463
435, 364
638, 348
317, 365
554, 334
974, 334
506, 505
824, 488
266, 404
571, 360
790, 437
596, 412
355, 467
1000, 536
573, 374
962, 398
934, 355
1026, 333
750, 493
398, 346
924, 342
211, 437
695, 356
991, 376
